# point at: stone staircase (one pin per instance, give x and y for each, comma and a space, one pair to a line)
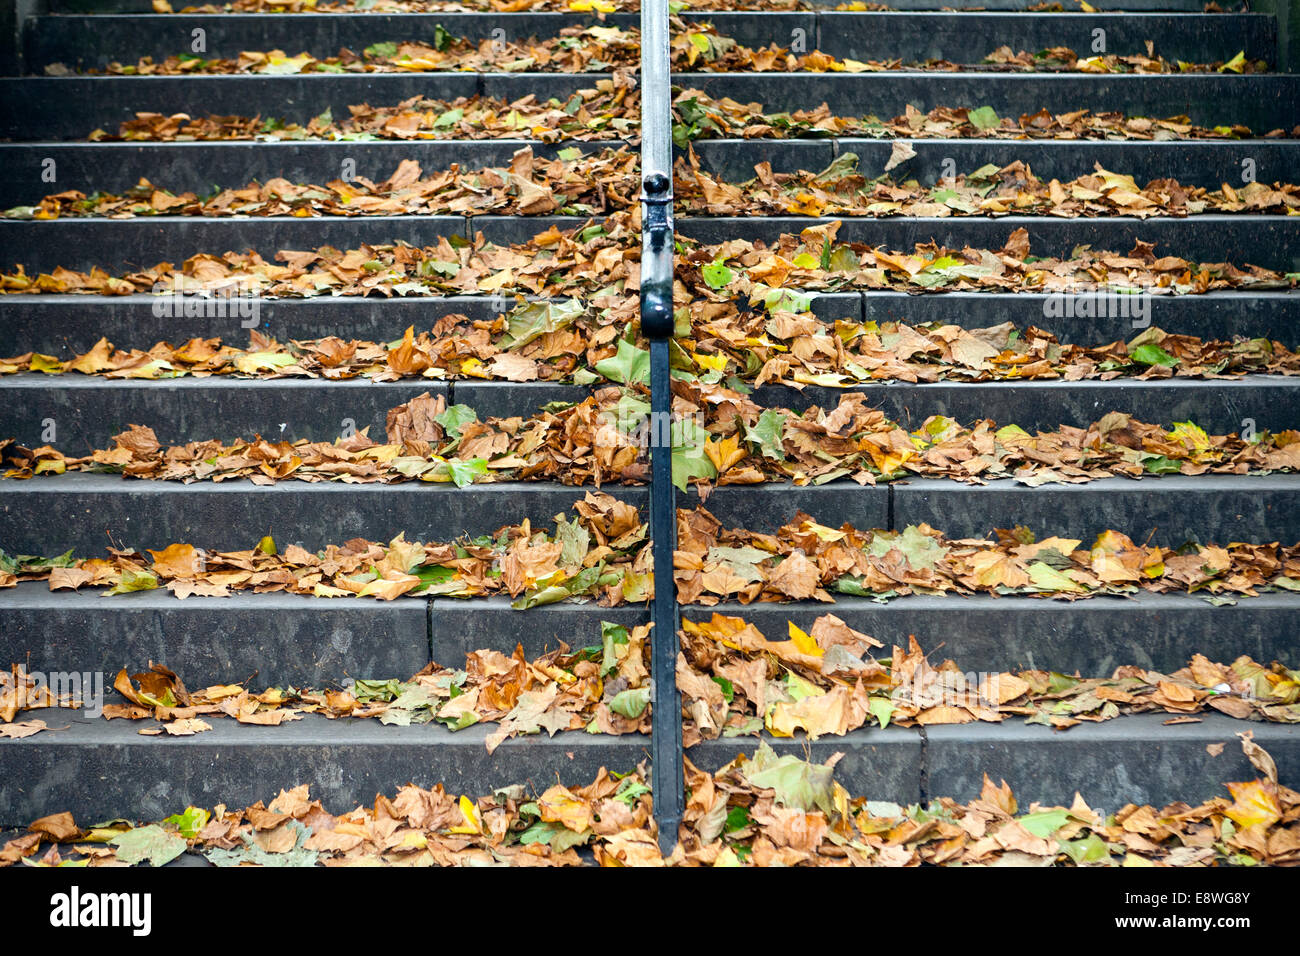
100, 769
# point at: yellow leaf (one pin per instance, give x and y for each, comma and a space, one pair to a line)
473, 822
806, 643
1256, 804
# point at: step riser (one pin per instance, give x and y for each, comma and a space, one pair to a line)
85, 412
223, 640
51, 515
67, 325
1268, 241
284, 640
34, 109
95, 41
225, 517
144, 6
1167, 512
197, 167
1193, 163
1042, 405
1091, 637
1260, 102
278, 411
99, 772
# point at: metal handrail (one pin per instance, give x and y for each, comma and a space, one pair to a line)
657, 326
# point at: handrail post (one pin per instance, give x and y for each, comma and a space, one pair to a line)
657, 326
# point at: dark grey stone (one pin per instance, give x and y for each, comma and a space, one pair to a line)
1092, 636
460, 627
200, 166
67, 325
1129, 760
268, 640
128, 244
85, 512
87, 411
1262, 102
1269, 241
1169, 509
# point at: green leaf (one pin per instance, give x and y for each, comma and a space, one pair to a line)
455, 418
612, 637
631, 703
1091, 849
882, 708
381, 50
629, 366
134, 581
190, 822
689, 460
767, 434
151, 843
797, 783
983, 118
717, 275
1150, 354
728, 689
737, 819
1045, 822
464, 473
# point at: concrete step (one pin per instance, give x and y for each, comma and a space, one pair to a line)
35, 109
281, 640
1092, 636
1268, 241
91, 42
197, 167
1207, 163
1032, 405
89, 508
86, 512
100, 770
86, 411
67, 325
267, 640
1262, 102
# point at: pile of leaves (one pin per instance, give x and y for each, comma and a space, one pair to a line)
595, 49
591, 260
573, 184
599, 689
576, 49
815, 260
808, 561
562, 341
599, 553
609, 109
602, 554
1064, 60
759, 810
600, 259
841, 190
697, 115
719, 436
596, 7
415, 827
736, 682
